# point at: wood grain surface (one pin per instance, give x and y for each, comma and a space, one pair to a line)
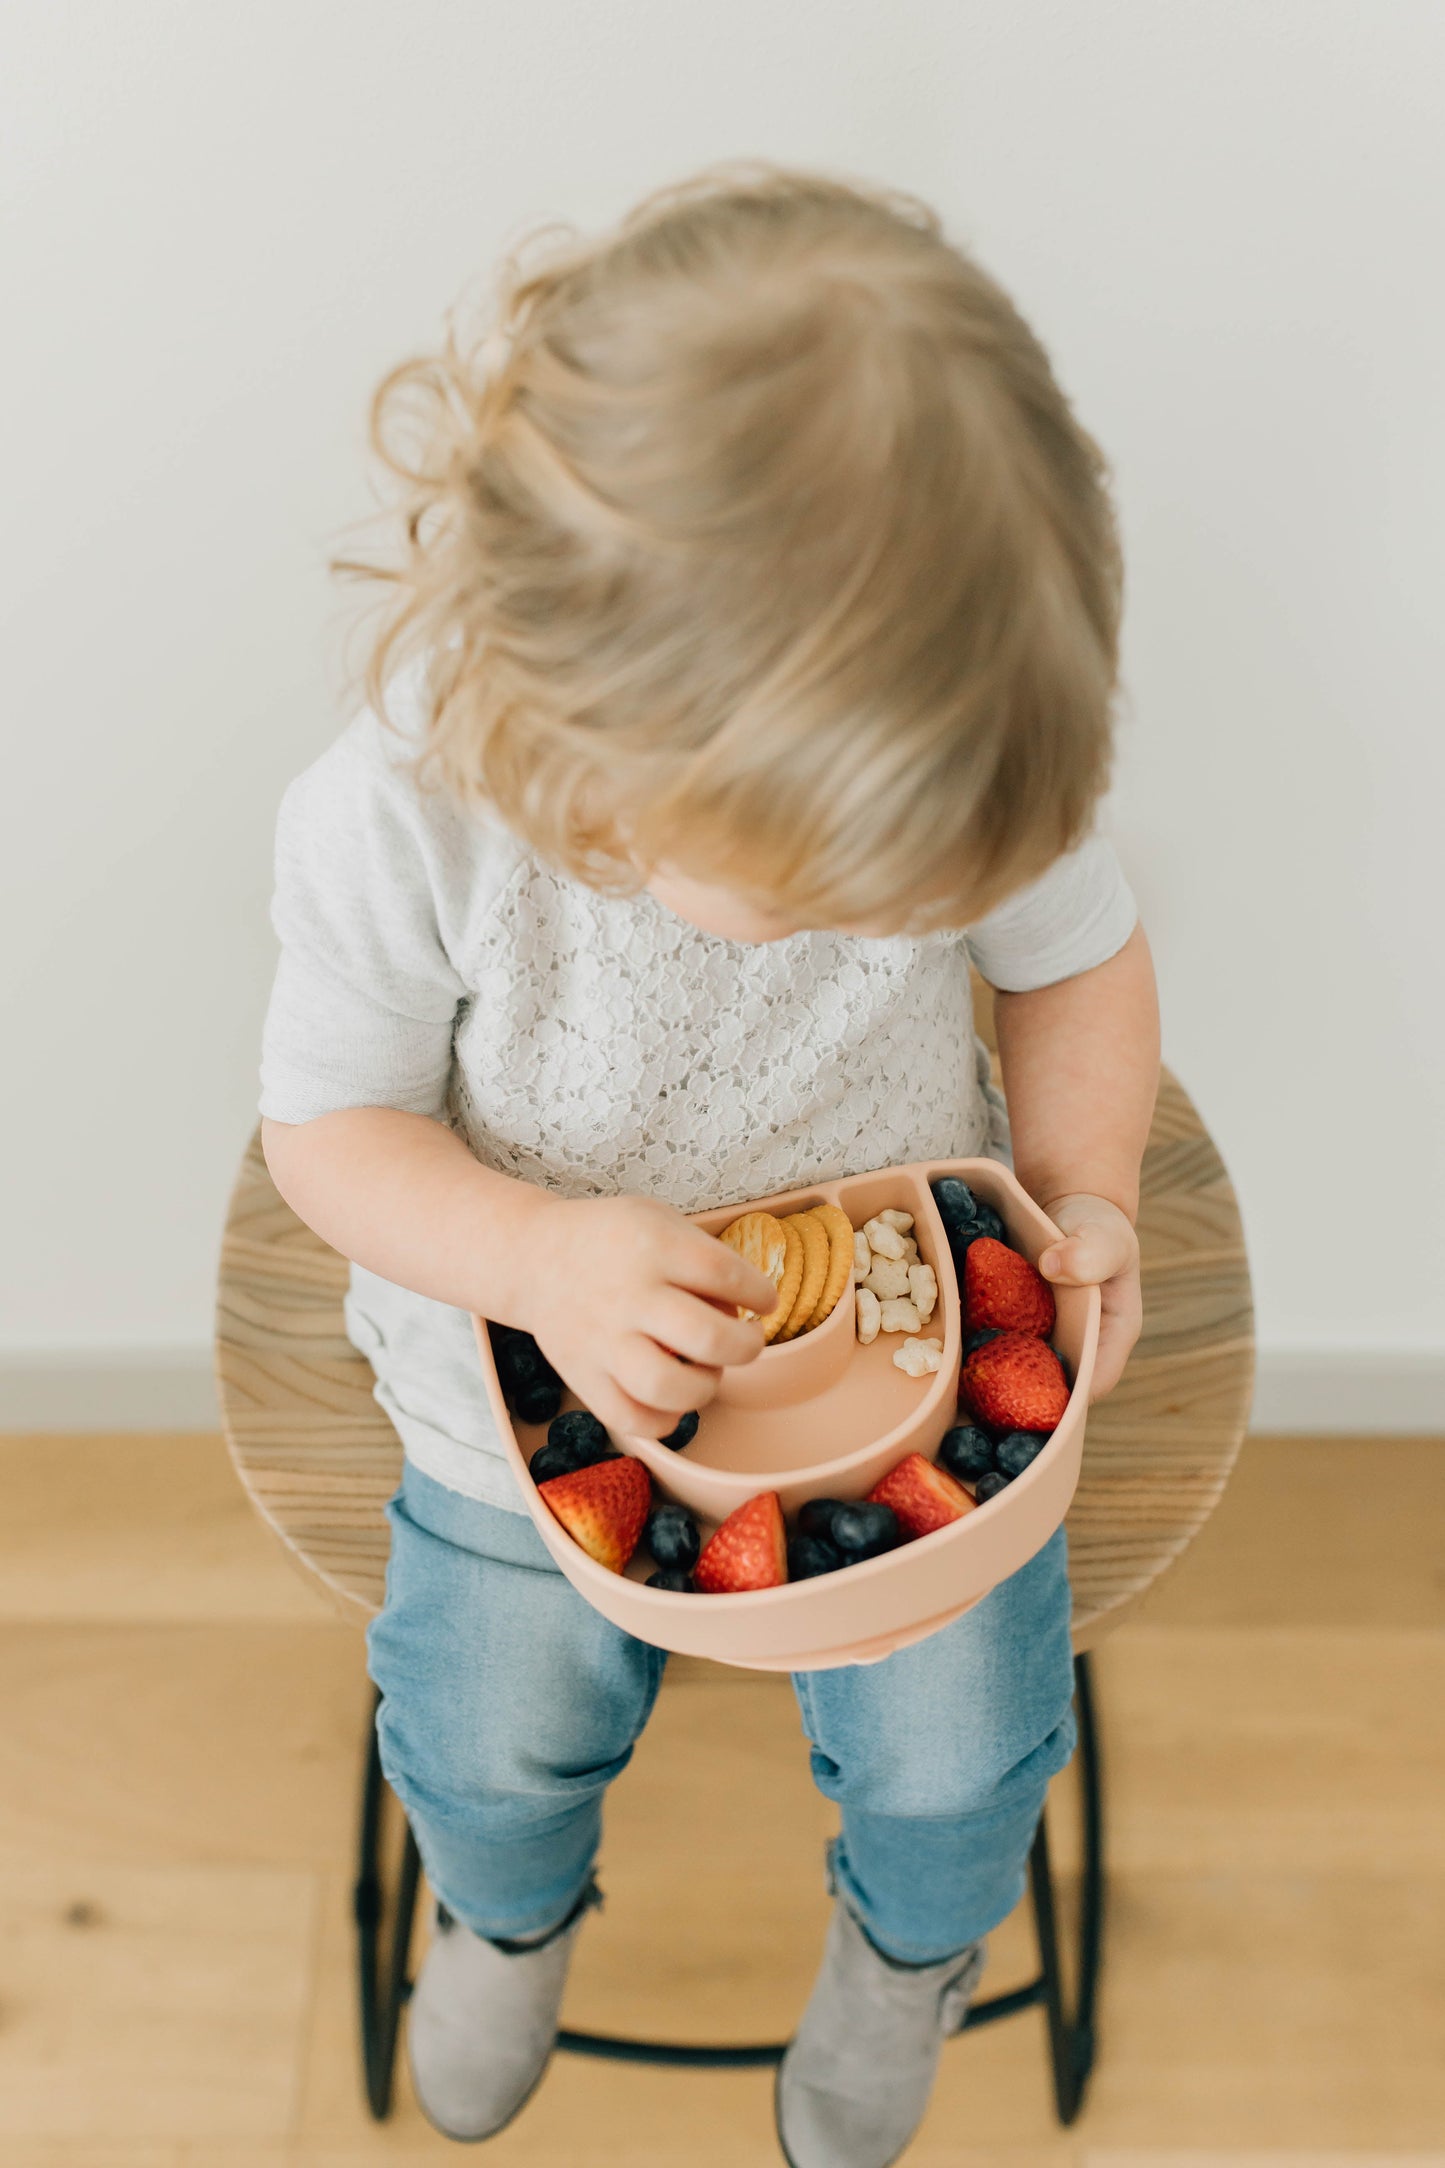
319, 1458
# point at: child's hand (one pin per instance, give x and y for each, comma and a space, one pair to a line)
636, 1308
1102, 1250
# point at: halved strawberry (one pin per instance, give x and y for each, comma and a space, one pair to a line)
1015, 1382
603, 1508
750, 1550
923, 1495
1002, 1289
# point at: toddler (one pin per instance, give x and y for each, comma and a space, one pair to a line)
750, 675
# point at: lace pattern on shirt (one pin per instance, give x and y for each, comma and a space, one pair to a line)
608, 1046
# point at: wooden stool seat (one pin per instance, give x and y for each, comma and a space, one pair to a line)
319, 1459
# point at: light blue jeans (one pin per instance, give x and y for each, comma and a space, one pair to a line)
509, 1705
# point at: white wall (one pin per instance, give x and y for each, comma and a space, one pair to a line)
1225, 220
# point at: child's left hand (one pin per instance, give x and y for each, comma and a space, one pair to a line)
1101, 1250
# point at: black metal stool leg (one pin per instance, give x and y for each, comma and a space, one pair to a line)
385, 1985
1071, 2036
381, 1961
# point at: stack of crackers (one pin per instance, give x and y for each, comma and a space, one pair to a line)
808, 1257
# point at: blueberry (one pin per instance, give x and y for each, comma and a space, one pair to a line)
574, 1440
955, 1200
517, 1354
966, 1452
552, 1460
578, 1426
1019, 1450
580, 1436
537, 1402
684, 1434
861, 1531
965, 1217
816, 1518
530, 1386
674, 1578
989, 1486
671, 1536
808, 1556
979, 1337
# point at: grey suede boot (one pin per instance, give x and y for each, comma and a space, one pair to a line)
483, 2022
855, 2082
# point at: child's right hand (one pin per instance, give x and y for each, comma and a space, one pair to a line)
632, 1303
636, 1308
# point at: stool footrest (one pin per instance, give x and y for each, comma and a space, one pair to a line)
607, 2047
674, 2055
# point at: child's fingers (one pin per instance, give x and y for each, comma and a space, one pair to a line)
1094, 1253
630, 1418
700, 1332
629, 1412
705, 1266
656, 1380
1116, 1339
1119, 1325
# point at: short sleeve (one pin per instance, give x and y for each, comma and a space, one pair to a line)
365, 997
1077, 915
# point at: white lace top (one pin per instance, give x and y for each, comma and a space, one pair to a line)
431, 962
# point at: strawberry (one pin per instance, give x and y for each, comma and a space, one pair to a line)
1015, 1382
750, 1550
602, 1507
923, 1496
1002, 1289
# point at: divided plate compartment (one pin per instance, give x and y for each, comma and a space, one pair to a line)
822, 1417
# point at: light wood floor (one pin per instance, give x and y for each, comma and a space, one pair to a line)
180, 1722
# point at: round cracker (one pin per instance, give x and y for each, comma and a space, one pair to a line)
759, 1238
817, 1250
762, 1240
839, 1230
788, 1285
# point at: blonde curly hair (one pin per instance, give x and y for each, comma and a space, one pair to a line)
755, 538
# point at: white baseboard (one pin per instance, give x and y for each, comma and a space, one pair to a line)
1296, 1389
109, 1389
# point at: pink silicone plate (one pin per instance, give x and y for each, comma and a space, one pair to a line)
821, 1417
